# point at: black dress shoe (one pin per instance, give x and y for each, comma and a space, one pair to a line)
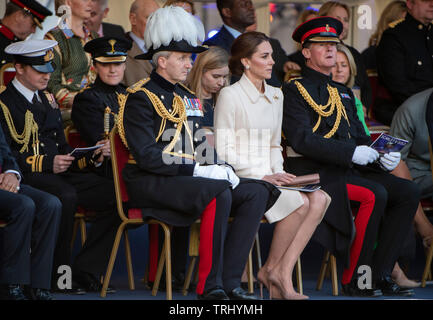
390, 288
77, 290
90, 283
352, 290
42, 294
240, 294
213, 294
12, 292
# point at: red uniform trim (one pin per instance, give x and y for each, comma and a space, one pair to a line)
153, 251
35, 13
206, 244
367, 199
318, 30
6, 32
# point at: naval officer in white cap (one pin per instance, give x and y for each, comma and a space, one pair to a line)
33, 128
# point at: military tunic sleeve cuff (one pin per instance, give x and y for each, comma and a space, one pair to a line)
16, 173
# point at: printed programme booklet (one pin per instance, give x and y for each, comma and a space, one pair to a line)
386, 144
81, 152
303, 188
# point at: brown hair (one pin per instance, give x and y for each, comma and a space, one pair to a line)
213, 58
244, 47
173, 2
327, 7
392, 12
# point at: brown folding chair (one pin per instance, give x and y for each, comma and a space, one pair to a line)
73, 138
329, 265
7, 73
426, 275
133, 216
194, 243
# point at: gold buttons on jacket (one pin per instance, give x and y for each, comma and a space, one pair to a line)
420, 26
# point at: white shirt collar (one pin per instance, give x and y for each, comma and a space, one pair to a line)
252, 91
27, 93
138, 41
235, 33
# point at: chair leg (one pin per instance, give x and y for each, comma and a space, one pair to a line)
112, 259
250, 272
83, 231
168, 288
322, 272
189, 275
427, 266
159, 271
129, 261
334, 279
299, 276
258, 253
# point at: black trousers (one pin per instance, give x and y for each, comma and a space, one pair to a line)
391, 220
30, 236
91, 192
232, 242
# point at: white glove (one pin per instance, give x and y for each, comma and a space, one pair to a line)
212, 172
364, 155
233, 178
390, 160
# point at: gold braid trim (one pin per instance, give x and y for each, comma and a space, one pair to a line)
30, 130
121, 98
177, 116
334, 102
36, 162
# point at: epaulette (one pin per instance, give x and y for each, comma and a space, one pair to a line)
395, 23
2, 88
186, 88
293, 79
85, 88
136, 86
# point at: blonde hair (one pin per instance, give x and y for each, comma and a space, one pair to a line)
392, 12
353, 71
213, 58
327, 7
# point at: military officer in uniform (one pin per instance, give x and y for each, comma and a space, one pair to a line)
96, 107
20, 20
34, 130
405, 58
173, 173
324, 135
29, 237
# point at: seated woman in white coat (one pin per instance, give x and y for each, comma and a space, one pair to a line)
248, 119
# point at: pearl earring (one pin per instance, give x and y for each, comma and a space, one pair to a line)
247, 67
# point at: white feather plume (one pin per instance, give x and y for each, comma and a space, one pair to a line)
172, 23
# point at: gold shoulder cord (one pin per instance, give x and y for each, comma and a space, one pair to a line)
177, 115
334, 102
30, 129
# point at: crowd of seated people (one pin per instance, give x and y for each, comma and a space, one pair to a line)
234, 100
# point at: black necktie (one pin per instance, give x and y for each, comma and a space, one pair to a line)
35, 99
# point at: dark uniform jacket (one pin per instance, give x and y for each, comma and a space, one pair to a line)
160, 178
51, 136
405, 59
89, 109
330, 156
88, 115
361, 78
7, 161
224, 39
6, 38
